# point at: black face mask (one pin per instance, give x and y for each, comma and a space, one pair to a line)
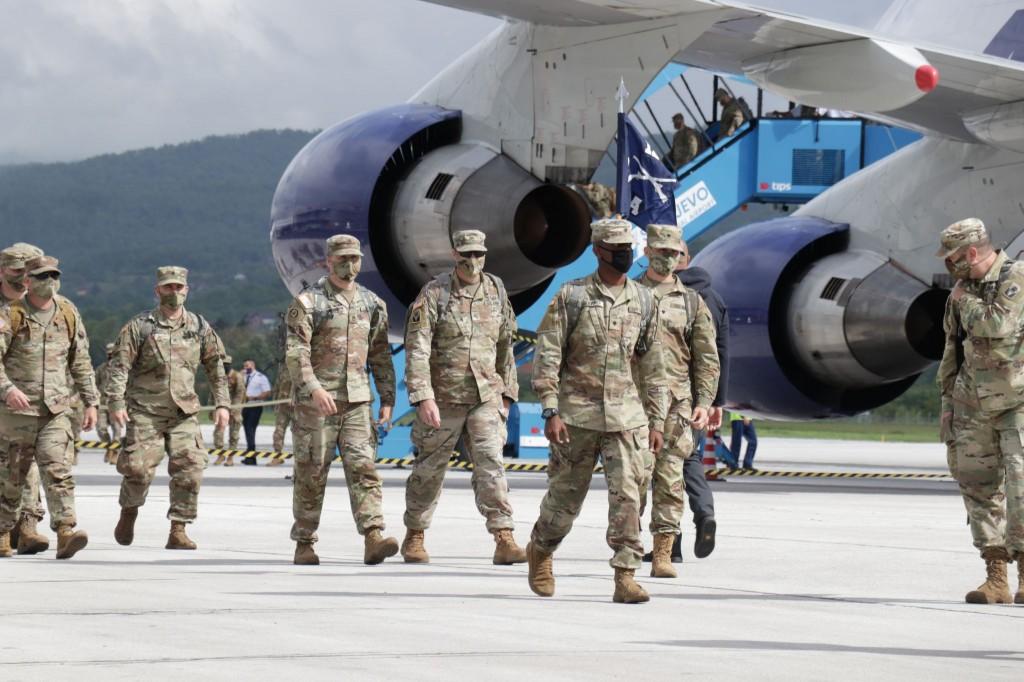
621, 261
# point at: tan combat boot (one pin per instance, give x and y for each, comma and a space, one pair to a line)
178, 539
412, 548
30, 540
627, 590
304, 554
995, 589
70, 541
506, 551
124, 531
5, 545
540, 575
661, 560
377, 548
220, 460
230, 462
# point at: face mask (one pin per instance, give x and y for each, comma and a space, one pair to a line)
44, 288
621, 261
471, 267
175, 299
662, 264
16, 282
248, 370
960, 269
346, 270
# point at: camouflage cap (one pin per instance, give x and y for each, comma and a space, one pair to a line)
16, 255
171, 274
664, 237
40, 264
960, 234
469, 240
343, 245
612, 231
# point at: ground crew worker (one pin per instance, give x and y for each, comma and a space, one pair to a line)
283, 413
685, 143
687, 336
592, 332
335, 330
42, 342
12, 288
236, 391
982, 385
732, 113
461, 375
102, 417
151, 394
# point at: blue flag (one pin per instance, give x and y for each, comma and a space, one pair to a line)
645, 189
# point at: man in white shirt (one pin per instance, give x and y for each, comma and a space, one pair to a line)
257, 387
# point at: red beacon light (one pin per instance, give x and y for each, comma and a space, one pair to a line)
926, 77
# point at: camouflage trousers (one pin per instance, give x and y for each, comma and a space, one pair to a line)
234, 426
989, 467
27, 441
352, 432
148, 438
665, 469
77, 415
283, 415
483, 428
570, 469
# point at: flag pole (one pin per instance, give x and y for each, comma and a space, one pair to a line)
622, 160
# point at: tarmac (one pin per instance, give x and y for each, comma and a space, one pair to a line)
830, 579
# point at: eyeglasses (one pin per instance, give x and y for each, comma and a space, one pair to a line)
46, 275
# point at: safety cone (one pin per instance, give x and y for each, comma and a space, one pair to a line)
710, 461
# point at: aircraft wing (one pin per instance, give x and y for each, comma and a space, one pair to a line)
821, 53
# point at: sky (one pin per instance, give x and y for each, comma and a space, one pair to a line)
85, 77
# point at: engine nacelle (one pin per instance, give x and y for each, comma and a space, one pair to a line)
401, 181
817, 330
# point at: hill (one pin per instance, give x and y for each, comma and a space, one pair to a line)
112, 219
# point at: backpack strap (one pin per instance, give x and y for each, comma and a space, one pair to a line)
576, 292
646, 299
444, 293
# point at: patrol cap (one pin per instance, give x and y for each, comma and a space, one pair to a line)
16, 255
37, 265
960, 234
612, 231
171, 274
722, 92
664, 237
343, 245
469, 240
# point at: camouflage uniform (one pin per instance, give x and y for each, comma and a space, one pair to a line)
685, 145
38, 357
76, 415
601, 198
584, 368
687, 336
986, 397
732, 114
462, 357
152, 374
333, 336
236, 391
283, 412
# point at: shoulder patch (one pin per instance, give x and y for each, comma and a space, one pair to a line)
418, 319
1012, 290
293, 314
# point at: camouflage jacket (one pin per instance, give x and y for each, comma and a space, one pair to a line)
283, 385
587, 372
685, 145
464, 353
50, 363
991, 313
236, 387
732, 118
333, 345
154, 363
687, 336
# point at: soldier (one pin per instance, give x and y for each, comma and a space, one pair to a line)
283, 413
12, 288
102, 418
151, 391
461, 375
687, 336
592, 332
335, 329
42, 341
236, 391
980, 379
600, 197
685, 143
732, 113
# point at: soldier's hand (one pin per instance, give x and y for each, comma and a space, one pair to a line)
656, 439
428, 413
715, 418
89, 419
221, 416
699, 418
384, 416
958, 292
324, 403
16, 400
508, 405
555, 430
119, 418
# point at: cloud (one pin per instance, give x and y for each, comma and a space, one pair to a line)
85, 77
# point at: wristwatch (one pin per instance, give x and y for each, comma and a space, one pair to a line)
549, 412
